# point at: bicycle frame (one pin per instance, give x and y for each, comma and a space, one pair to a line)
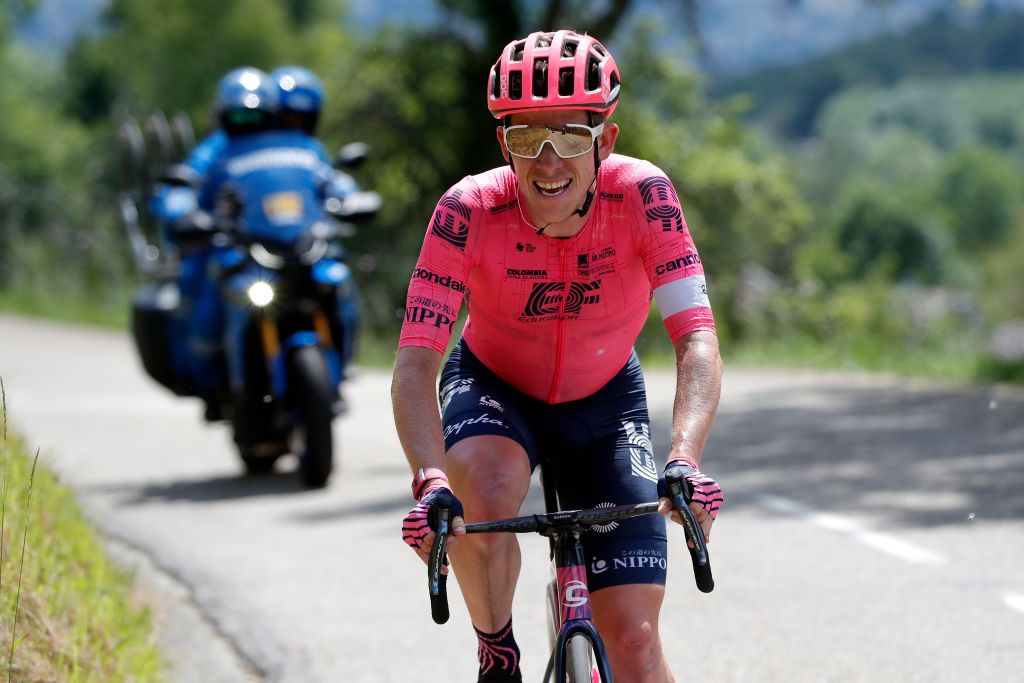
573, 595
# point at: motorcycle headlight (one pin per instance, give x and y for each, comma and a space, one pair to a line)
261, 293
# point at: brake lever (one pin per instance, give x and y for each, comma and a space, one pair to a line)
436, 580
695, 534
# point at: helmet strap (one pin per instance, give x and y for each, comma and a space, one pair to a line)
582, 211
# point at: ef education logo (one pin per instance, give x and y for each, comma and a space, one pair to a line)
546, 298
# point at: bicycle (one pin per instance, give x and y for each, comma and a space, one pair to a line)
577, 651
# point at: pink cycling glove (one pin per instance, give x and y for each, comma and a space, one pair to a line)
704, 489
422, 519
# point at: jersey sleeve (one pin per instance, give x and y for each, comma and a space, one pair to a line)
438, 283
670, 257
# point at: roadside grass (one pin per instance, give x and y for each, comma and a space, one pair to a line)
66, 613
112, 314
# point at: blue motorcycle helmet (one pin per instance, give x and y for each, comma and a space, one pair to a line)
302, 97
247, 101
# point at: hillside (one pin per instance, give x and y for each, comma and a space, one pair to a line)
788, 100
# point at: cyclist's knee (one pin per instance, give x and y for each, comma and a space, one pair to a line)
627, 618
490, 475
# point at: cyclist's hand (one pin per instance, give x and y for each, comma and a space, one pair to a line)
705, 494
419, 525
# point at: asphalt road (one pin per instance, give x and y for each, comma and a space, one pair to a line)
873, 528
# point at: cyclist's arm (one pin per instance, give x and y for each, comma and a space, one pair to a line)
414, 402
698, 389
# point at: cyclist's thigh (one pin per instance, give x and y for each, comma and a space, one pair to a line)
476, 402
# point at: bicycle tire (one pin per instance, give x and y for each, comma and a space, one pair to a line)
579, 661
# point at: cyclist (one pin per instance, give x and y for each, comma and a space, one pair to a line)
562, 250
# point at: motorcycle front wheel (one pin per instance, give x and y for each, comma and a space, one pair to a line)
313, 396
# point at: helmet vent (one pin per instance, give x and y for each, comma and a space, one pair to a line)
515, 85
569, 48
495, 88
593, 74
544, 40
540, 78
517, 52
565, 81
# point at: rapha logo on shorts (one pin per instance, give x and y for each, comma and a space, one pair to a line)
641, 451
545, 300
453, 389
661, 204
451, 220
457, 427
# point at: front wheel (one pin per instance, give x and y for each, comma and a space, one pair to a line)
579, 666
313, 395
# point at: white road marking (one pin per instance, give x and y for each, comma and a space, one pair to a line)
1014, 601
854, 528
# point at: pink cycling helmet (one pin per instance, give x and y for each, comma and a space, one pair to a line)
560, 70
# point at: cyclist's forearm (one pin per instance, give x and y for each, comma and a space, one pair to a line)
698, 389
414, 403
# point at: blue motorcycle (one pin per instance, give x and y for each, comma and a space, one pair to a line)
284, 308
289, 313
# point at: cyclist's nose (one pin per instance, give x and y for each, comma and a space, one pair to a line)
548, 156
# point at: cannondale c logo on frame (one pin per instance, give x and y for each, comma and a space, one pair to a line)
575, 594
451, 220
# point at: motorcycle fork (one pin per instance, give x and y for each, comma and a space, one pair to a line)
323, 329
272, 354
323, 333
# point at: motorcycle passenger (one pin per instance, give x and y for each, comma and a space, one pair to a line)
563, 249
302, 99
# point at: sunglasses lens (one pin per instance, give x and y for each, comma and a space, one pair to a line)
527, 141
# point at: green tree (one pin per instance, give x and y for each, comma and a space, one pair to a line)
981, 193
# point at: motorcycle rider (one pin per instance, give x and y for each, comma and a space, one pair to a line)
187, 230
302, 99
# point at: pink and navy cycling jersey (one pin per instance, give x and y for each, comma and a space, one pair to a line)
556, 318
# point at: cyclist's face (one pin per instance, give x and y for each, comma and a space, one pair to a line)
553, 187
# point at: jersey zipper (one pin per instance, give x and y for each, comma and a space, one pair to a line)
556, 379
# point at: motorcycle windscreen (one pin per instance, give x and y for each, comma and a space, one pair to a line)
281, 208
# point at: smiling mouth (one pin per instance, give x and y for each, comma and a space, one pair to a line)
553, 188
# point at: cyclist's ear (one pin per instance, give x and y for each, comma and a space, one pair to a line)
500, 133
606, 140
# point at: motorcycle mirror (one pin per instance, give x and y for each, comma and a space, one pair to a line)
355, 206
180, 175
352, 155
